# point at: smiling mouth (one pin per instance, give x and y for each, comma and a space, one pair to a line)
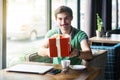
64, 25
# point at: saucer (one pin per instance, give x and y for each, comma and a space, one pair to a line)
77, 67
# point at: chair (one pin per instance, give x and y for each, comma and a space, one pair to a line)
112, 67
34, 57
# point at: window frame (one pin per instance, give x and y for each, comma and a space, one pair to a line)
3, 35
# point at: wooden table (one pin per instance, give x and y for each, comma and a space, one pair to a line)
111, 40
97, 55
89, 74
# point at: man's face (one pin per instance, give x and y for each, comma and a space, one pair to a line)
64, 20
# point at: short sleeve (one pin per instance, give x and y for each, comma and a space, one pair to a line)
82, 36
51, 32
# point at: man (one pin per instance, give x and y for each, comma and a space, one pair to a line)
79, 40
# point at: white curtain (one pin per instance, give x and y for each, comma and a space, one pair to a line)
87, 10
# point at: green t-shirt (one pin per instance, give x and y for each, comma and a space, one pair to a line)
76, 37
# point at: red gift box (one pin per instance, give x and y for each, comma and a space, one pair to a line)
60, 46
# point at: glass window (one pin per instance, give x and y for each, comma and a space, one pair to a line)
82, 13
119, 14
71, 3
115, 14
26, 26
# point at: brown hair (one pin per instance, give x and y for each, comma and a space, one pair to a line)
63, 9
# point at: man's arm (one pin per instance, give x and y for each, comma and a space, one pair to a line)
44, 50
85, 53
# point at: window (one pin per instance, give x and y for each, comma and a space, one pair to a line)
115, 14
82, 13
119, 14
26, 26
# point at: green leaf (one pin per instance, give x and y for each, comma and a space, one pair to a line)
99, 23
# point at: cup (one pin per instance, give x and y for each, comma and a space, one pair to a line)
65, 64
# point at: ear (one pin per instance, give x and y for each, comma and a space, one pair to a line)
72, 18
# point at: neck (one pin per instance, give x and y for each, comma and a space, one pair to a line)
68, 31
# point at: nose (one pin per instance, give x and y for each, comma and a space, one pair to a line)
63, 21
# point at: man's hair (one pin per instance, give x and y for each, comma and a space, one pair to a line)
62, 9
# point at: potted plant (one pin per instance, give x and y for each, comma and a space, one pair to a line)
99, 26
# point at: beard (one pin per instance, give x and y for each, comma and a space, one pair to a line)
65, 27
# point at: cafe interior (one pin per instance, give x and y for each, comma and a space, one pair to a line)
99, 19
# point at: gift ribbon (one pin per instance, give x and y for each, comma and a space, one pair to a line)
58, 46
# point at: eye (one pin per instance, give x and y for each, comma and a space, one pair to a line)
66, 18
60, 18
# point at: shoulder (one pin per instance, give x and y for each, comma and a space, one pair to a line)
52, 32
79, 35
79, 32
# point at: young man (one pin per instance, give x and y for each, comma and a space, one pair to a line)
79, 40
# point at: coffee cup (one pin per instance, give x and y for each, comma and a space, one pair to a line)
65, 64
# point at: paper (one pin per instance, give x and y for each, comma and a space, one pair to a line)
59, 46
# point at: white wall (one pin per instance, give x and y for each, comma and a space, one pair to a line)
0, 34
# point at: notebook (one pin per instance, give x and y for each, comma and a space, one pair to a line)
30, 68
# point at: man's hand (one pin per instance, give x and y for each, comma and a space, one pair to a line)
86, 55
73, 52
58, 35
55, 36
